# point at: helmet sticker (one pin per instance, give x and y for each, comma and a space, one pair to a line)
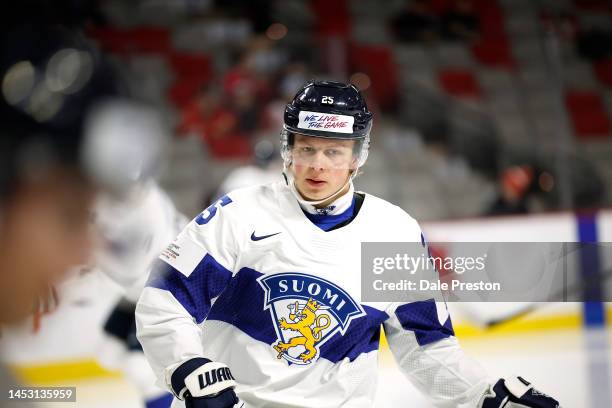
326, 122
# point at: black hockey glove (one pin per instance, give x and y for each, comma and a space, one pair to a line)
204, 384
121, 324
515, 392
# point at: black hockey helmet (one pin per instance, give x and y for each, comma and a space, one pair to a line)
329, 97
328, 109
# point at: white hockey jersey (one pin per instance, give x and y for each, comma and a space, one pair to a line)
253, 283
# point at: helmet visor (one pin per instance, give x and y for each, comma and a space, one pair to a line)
324, 153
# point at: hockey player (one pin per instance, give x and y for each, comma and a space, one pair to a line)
51, 82
257, 302
133, 230
135, 222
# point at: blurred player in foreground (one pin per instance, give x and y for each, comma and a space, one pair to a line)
266, 282
133, 221
51, 83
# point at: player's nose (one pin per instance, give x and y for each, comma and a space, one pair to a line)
319, 161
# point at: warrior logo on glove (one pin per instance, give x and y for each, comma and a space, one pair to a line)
212, 377
306, 311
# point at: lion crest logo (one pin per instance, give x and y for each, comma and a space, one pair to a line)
306, 311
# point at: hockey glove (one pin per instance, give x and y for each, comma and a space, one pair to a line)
517, 393
204, 384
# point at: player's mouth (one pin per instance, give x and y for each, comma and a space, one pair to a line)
315, 183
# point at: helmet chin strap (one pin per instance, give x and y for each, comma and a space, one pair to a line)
290, 180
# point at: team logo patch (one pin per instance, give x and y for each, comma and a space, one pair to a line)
306, 311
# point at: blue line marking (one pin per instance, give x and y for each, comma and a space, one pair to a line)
590, 265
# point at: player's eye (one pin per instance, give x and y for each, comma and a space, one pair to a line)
306, 149
333, 152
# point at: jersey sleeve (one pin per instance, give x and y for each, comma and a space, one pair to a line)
421, 338
184, 283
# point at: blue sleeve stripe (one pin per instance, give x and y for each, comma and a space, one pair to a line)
422, 319
178, 376
194, 292
363, 336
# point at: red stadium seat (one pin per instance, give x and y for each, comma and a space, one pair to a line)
491, 20
377, 63
332, 17
603, 71
591, 125
144, 40
191, 65
579, 100
493, 49
460, 82
192, 71
183, 91
495, 53
588, 114
150, 40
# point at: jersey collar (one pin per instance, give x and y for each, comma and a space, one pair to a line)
340, 205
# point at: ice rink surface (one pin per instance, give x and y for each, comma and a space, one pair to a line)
572, 365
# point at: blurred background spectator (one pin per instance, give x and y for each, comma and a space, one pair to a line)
514, 184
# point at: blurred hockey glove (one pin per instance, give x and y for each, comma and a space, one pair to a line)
516, 392
204, 384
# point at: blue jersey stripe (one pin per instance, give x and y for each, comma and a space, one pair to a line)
242, 305
422, 319
195, 291
362, 336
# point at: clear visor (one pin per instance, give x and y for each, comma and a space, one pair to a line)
324, 154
